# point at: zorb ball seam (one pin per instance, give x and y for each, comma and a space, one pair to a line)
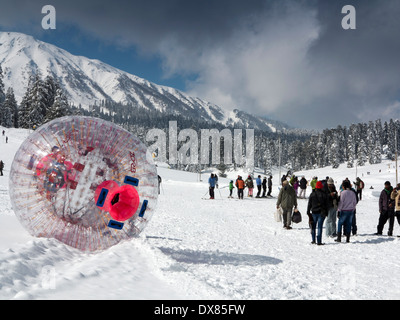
84, 181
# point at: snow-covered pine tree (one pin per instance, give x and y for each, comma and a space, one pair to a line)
59, 108
351, 146
2, 92
24, 119
362, 155
10, 109
38, 105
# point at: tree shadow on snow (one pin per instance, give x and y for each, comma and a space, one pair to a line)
217, 258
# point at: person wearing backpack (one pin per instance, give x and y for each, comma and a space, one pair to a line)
250, 185
317, 211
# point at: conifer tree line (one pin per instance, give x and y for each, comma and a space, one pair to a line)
356, 145
44, 100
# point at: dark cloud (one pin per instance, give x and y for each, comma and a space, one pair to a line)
290, 60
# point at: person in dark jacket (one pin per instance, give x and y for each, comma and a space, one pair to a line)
264, 187
287, 199
303, 187
386, 210
269, 186
211, 182
333, 200
317, 211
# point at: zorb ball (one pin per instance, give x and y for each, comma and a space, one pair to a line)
83, 181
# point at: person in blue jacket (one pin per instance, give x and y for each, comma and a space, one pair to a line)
212, 182
259, 184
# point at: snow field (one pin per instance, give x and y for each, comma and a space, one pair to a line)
207, 249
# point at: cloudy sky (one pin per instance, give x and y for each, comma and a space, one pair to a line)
289, 60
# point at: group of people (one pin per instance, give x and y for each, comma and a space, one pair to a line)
241, 184
297, 184
326, 203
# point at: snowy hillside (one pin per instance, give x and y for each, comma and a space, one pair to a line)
206, 249
87, 82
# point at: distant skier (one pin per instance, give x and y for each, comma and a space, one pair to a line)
231, 187
1, 167
264, 187
159, 183
212, 183
240, 186
258, 183
269, 186
250, 185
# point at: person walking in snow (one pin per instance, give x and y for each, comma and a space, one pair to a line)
231, 187
333, 199
264, 186
359, 187
258, 184
240, 186
287, 199
211, 183
1, 167
395, 195
250, 186
317, 210
303, 187
159, 183
269, 186
346, 207
386, 210
313, 183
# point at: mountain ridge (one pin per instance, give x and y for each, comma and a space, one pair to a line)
89, 81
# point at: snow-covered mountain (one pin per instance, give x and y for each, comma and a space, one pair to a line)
88, 82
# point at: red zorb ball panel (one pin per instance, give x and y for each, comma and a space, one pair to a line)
84, 181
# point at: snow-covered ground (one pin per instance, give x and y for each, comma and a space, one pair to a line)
206, 249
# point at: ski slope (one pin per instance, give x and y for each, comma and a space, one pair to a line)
206, 249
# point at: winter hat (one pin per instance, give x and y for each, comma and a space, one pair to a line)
285, 182
330, 181
319, 185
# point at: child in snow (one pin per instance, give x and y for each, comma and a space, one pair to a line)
231, 188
